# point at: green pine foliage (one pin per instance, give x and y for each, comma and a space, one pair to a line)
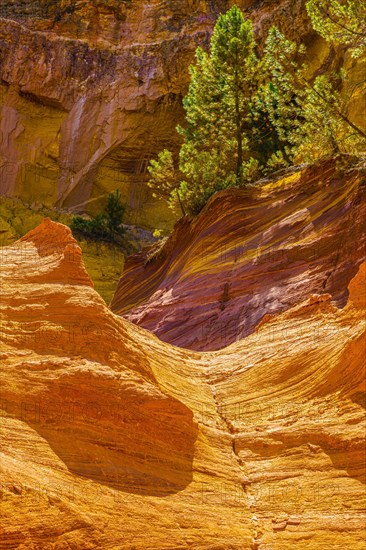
321, 133
224, 136
340, 22
105, 226
281, 94
215, 153
247, 117
114, 212
165, 180
309, 116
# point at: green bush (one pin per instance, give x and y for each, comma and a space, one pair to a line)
105, 226
114, 212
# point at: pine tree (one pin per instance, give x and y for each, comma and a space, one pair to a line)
105, 226
215, 151
114, 211
165, 180
340, 22
247, 117
343, 23
234, 65
282, 93
309, 116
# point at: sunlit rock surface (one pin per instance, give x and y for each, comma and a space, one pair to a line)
114, 439
250, 253
91, 90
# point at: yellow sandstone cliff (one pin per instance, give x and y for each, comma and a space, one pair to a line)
114, 439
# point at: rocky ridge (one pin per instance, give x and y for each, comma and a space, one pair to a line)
114, 439
250, 253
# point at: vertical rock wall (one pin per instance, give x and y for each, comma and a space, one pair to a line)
90, 91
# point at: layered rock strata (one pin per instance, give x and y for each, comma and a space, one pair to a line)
250, 253
114, 439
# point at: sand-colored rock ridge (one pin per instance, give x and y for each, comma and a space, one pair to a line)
114, 439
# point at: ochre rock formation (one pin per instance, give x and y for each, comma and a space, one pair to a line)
103, 260
114, 439
91, 90
250, 253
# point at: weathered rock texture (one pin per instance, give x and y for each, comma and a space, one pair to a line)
113, 439
91, 90
250, 253
103, 261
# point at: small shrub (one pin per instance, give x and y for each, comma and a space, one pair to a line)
105, 226
114, 212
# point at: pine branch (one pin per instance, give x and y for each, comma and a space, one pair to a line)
351, 31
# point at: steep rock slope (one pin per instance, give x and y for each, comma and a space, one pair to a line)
91, 90
250, 253
113, 439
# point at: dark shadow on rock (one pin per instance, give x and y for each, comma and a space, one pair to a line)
144, 446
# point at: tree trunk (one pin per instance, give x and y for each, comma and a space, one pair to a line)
239, 137
180, 203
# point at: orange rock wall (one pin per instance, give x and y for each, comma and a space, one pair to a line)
114, 439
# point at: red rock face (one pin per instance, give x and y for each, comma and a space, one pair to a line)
113, 73
92, 90
249, 254
114, 439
